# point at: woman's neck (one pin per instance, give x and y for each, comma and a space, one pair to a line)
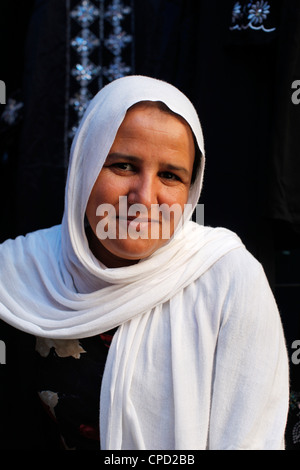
103, 255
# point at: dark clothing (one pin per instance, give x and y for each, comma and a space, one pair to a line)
69, 387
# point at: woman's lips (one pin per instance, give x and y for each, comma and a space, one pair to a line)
138, 222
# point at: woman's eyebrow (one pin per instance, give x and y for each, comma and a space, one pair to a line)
171, 167
134, 159
116, 155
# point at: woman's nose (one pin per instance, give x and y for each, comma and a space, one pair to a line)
143, 191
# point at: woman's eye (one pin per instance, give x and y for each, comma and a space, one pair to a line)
170, 176
123, 166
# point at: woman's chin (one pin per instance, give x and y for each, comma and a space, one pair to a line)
132, 250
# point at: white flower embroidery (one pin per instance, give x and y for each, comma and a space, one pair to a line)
236, 12
250, 15
63, 347
11, 111
50, 399
258, 12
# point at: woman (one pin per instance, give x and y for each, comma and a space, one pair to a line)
197, 359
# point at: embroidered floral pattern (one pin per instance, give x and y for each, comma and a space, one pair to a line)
236, 12
62, 347
11, 111
258, 12
68, 379
295, 408
85, 13
250, 15
100, 44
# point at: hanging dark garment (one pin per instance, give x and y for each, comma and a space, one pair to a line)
73, 48
229, 75
41, 168
14, 21
284, 187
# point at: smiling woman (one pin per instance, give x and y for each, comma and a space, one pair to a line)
150, 163
178, 339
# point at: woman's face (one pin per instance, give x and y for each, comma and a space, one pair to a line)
150, 164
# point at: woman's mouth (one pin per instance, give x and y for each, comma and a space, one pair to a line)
137, 223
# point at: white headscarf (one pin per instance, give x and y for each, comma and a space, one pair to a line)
51, 285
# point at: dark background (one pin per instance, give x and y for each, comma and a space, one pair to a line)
241, 84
